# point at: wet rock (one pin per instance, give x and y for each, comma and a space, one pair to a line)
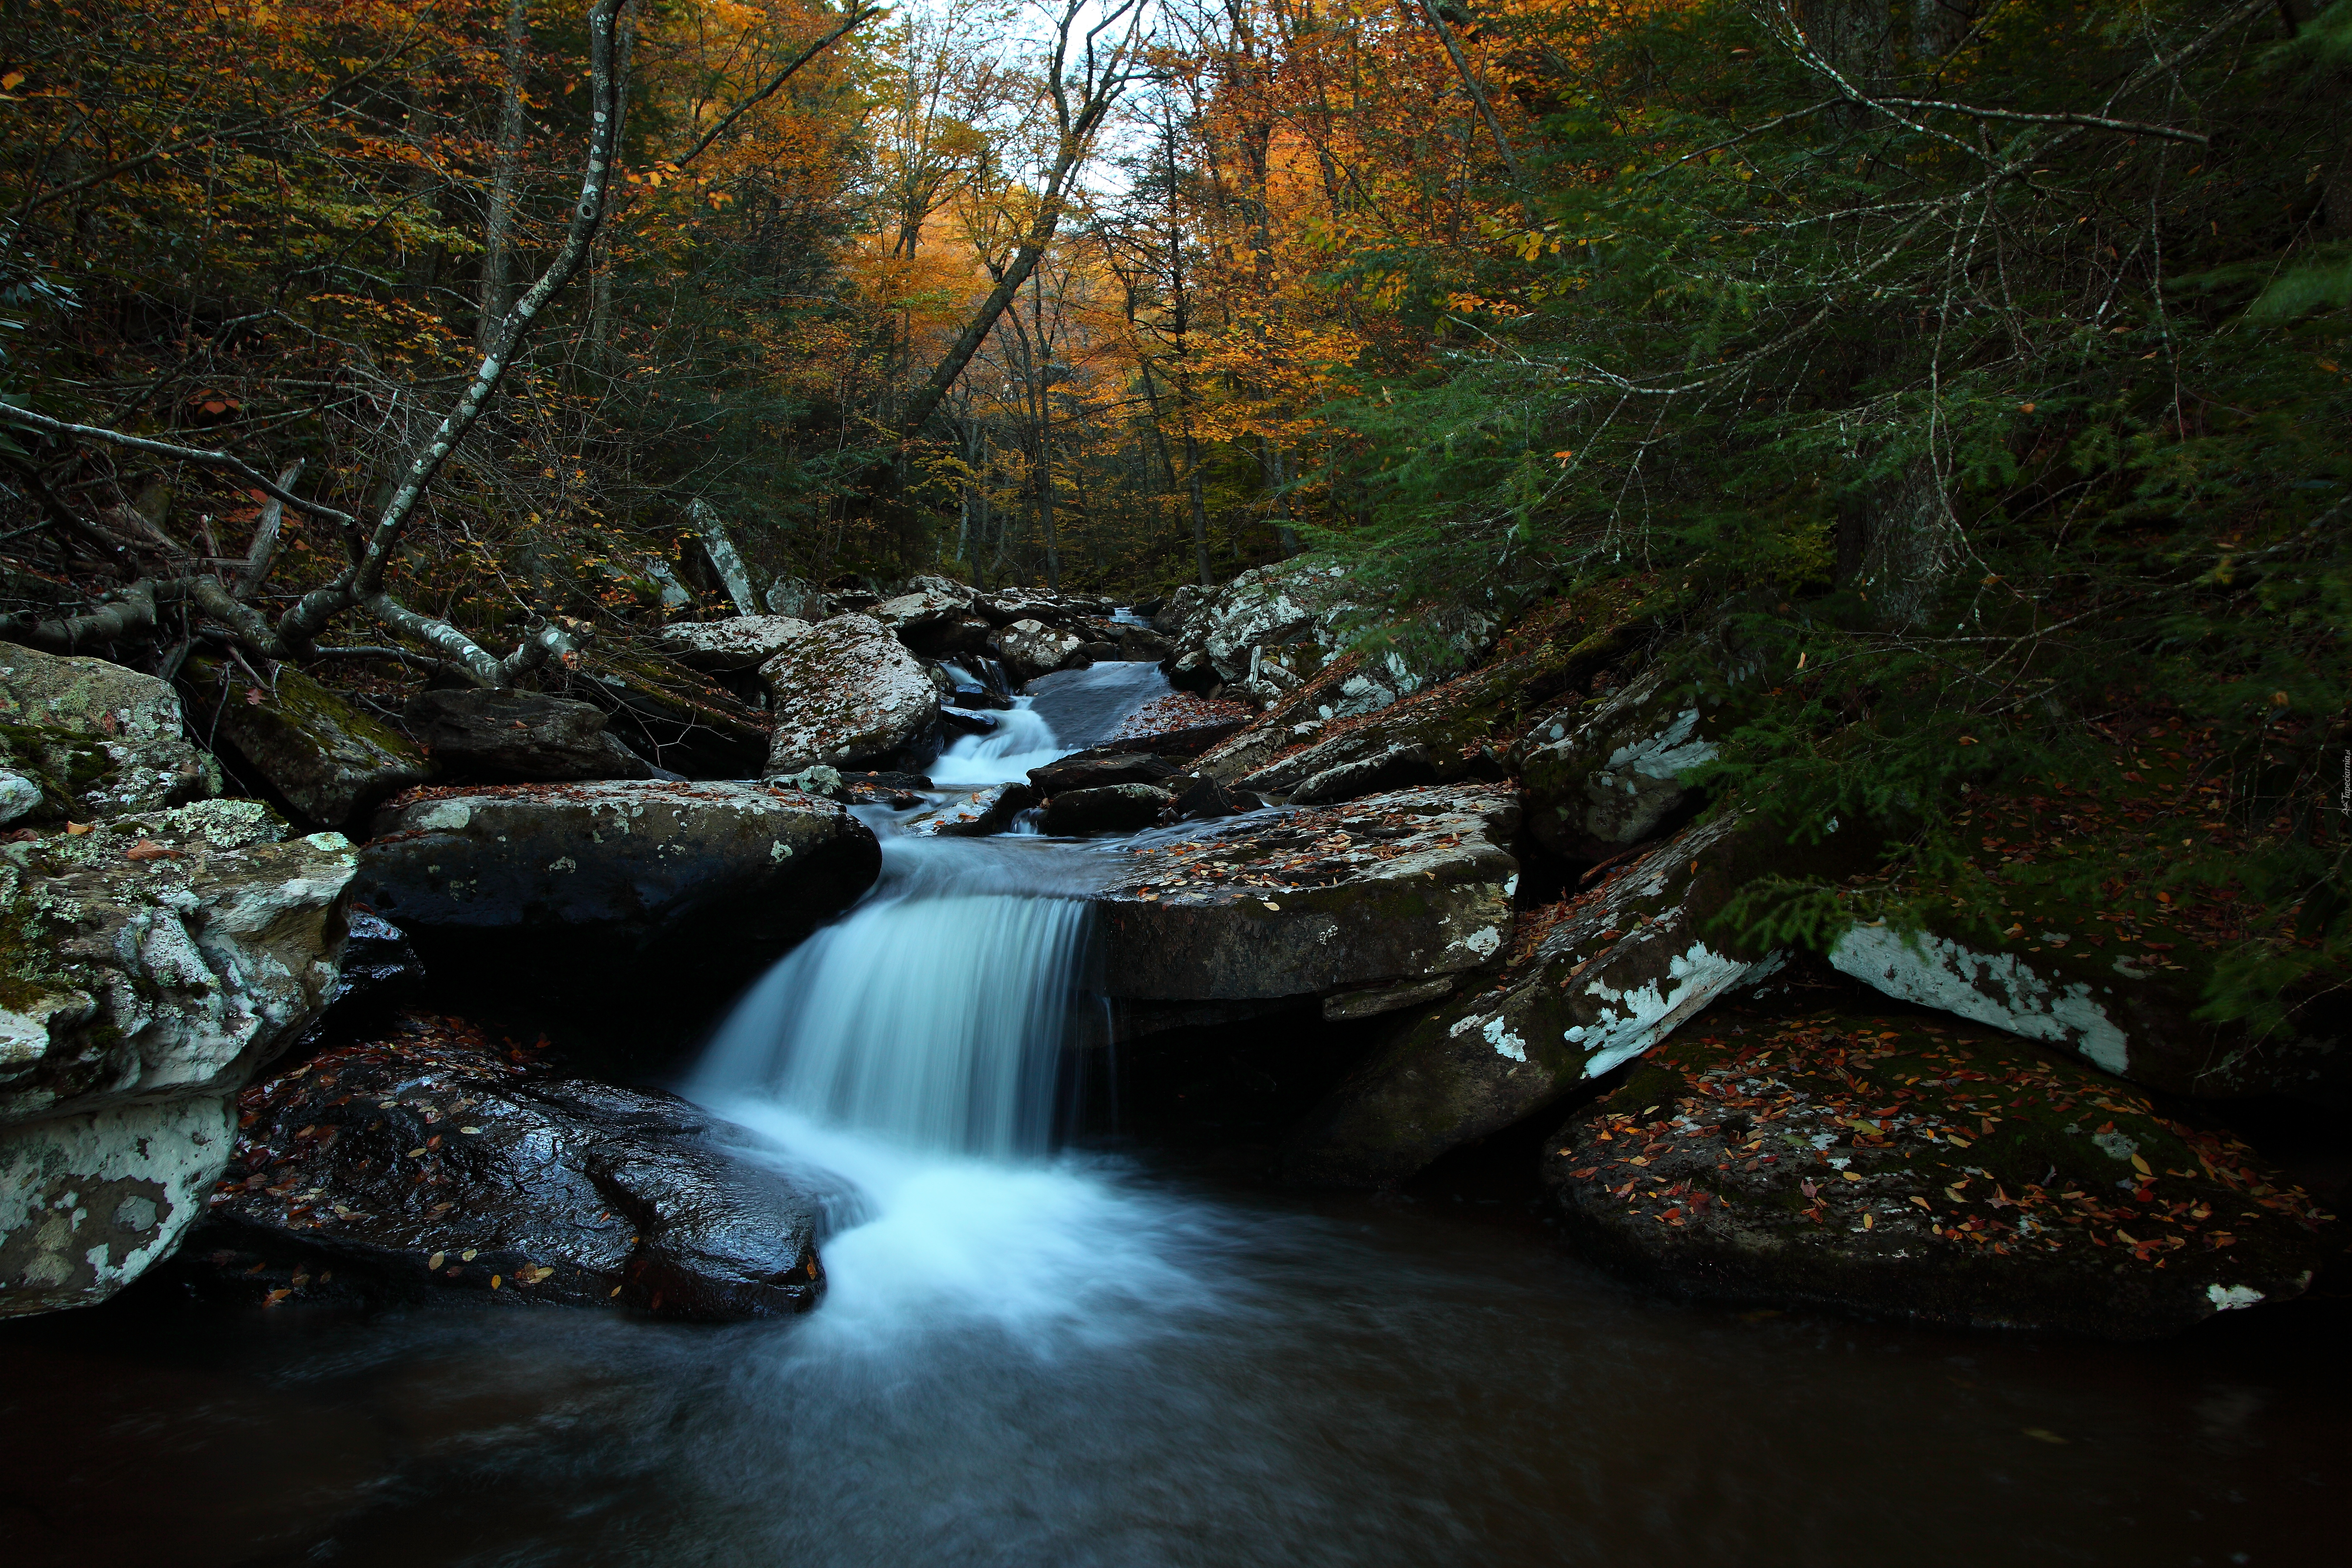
324, 757
741, 642
475, 875
1594, 982
93, 739
1141, 643
1033, 648
848, 693
1947, 1175
1604, 773
1198, 798
1311, 900
151, 966
518, 737
1108, 808
432, 1162
957, 722
1176, 613
1094, 770
986, 813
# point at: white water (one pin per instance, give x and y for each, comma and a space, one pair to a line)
1061, 713
912, 1050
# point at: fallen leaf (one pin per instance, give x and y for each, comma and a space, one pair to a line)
2044, 1435
468, 1254
435, 1261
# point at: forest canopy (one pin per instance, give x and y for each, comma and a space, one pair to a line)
1971, 372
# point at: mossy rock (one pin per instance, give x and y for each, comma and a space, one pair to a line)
1909, 1169
675, 717
332, 762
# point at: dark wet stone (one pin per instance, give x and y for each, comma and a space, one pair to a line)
433, 1162
505, 737
1109, 808
1101, 767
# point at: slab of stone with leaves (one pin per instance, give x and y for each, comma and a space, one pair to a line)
1900, 1167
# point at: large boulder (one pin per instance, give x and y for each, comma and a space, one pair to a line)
1033, 648
518, 737
1608, 974
324, 757
1105, 808
1601, 773
1312, 902
1901, 1168
738, 643
677, 719
1441, 733
1096, 769
433, 1162
847, 694
149, 966
84, 738
2130, 1013
611, 865
1291, 603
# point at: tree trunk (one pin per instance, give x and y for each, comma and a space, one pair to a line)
506, 175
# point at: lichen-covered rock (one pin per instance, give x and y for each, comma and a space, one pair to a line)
740, 642
1287, 604
1605, 772
1602, 977
933, 622
1105, 808
433, 1162
1033, 648
2119, 1011
326, 759
611, 863
147, 969
518, 737
1312, 900
1903, 1169
94, 739
847, 694
1454, 726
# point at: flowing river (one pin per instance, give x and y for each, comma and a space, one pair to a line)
1040, 1347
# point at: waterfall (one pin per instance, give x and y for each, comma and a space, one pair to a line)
932, 1015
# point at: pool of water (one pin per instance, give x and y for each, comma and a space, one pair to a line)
1099, 1360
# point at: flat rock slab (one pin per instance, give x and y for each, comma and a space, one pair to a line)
624, 860
847, 694
435, 1161
1305, 901
1945, 1174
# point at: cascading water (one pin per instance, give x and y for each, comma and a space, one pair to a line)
912, 1049
932, 1016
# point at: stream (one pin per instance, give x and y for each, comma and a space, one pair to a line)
1042, 1348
